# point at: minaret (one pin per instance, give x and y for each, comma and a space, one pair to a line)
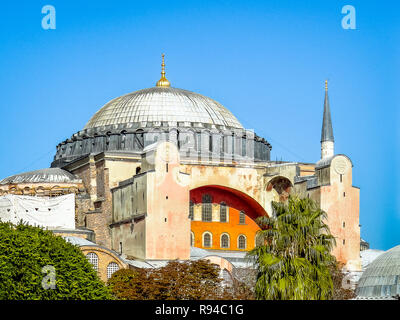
327, 141
163, 82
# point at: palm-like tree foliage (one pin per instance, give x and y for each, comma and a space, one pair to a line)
293, 253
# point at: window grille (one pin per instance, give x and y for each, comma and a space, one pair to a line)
93, 259
224, 241
242, 242
222, 212
242, 217
111, 268
206, 208
191, 210
207, 240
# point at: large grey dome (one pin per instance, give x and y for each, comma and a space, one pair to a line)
382, 276
166, 106
133, 121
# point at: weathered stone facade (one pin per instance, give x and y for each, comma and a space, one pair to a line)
155, 167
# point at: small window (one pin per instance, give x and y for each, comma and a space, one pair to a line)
111, 268
341, 179
344, 194
242, 217
191, 210
224, 241
206, 208
344, 241
93, 259
344, 224
222, 212
242, 242
207, 240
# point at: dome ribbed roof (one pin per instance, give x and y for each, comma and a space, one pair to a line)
163, 104
50, 175
382, 276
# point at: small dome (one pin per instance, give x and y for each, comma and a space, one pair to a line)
382, 276
163, 104
48, 175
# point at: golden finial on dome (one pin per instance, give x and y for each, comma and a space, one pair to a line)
163, 82
326, 85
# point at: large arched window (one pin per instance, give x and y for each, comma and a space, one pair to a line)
222, 212
111, 268
225, 241
242, 217
207, 240
242, 242
93, 259
206, 208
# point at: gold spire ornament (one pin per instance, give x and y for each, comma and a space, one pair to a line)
163, 82
326, 85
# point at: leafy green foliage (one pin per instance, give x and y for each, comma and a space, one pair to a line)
189, 280
293, 253
25, 250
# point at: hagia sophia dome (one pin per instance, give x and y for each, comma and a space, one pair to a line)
124, 123
163, 104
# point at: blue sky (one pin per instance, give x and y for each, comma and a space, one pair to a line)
266, 61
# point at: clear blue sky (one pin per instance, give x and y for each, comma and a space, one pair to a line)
266, 61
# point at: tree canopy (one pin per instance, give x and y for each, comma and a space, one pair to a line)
37, 265
187, 280
292, 255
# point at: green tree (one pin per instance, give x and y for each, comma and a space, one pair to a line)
293, 256
26, 250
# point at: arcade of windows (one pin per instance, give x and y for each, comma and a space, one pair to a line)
224, 241
206, 211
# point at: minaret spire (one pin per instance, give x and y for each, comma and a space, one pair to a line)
327, 140
163, 82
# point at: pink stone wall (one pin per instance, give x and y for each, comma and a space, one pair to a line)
341, 202
167, 221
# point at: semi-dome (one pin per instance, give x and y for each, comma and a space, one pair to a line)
382, 277
48, 175
166, 105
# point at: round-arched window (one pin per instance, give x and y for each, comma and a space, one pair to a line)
224, 241
111, 268
242, 242
93, 259
207, 240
